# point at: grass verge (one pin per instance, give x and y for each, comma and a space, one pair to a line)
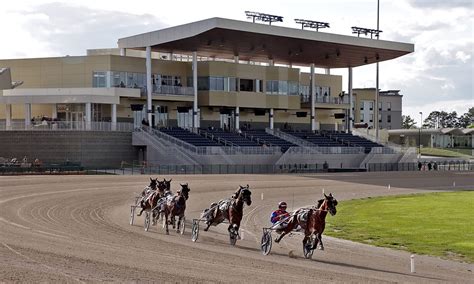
440, 224
438, 152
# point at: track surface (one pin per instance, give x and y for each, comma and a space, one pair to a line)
75, 229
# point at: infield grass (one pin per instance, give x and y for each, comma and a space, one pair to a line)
440, 224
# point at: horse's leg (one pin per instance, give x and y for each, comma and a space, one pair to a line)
179, 223
166, 222
316, 240
213, 216
278, 239
320, 238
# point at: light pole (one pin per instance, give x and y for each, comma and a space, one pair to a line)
419, 134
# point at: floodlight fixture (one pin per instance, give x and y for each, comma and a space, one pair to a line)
366, 32
312, 24
257, 16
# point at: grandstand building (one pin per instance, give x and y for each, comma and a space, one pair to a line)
215, 81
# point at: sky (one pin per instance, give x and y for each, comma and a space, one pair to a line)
437, 76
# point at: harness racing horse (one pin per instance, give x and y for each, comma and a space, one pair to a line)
312, 221
231, 210
175, 206
146, 192
167, 184
151, 195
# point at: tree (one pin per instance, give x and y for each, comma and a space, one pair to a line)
408, 122
441, 119
466, 119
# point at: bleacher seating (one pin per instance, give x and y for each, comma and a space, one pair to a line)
232, 137
262, 137
353, 140
189, 137
316, 138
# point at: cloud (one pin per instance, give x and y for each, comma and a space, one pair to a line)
71, 29
441, 4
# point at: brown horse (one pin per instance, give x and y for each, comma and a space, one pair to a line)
168, 184
151, 195
312, 221
175, 207
231, 210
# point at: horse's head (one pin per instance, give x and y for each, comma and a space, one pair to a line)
245, 194
330, 203
167, 183
161, 186
153, 183
185, 190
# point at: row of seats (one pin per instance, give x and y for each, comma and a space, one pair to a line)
355, 141
233, 137
270, 140
189, 137
315, 138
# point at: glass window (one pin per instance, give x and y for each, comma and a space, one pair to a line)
98, 80
233, 84
380, 106
293, 88
371, 117
361, 117
282, 87
389, 106
371, 105
203, 83
389, 118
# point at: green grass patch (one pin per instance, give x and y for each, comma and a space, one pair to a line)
440, 224
439, 152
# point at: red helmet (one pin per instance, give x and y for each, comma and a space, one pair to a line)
282, 204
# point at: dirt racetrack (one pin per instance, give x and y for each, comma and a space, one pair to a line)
76, 229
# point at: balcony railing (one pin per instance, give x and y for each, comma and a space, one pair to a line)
68, 126
325, 100
173, 90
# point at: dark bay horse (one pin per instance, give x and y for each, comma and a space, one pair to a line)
312, 221
175, 207
151, 195
231, 210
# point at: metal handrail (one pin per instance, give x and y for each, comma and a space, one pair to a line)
326, 150
67, 126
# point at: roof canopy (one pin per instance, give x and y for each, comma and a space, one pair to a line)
224, 38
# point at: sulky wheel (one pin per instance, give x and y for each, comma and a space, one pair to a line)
266, 242
132, 214
147, 221
308, 247
195, 230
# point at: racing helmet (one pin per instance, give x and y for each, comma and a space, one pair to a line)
282, 204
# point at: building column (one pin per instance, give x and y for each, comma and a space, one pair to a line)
8, 117
271, 62
350, 120
27, 116
271, 118
327, 71
195, 88
123, 52
236, 59
149, 86
113, 116
88, 116
313, 98
237, 118
54, 112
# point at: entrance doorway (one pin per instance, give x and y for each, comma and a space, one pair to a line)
185, 118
